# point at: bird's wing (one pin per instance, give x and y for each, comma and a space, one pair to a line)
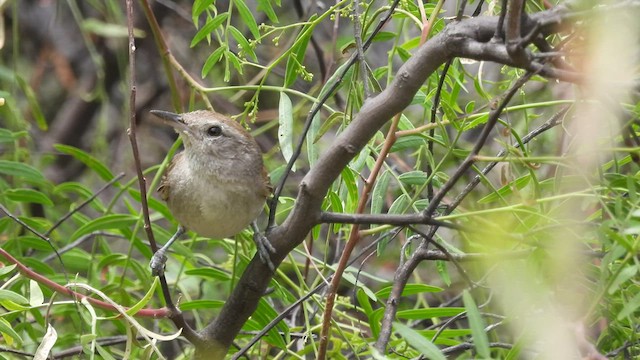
268, 188
165, 189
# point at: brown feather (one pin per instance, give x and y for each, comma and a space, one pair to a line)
164, 189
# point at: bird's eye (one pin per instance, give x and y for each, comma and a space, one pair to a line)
214, 130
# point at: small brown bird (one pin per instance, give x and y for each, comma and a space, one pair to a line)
218, 185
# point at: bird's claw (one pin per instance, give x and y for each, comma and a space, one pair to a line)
264, 249
157, 263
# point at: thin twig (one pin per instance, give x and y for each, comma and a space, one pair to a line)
50, 284
174, 313
357, 33
38, 234
354, 237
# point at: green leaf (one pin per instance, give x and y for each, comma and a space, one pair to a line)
77, 260
210, 273
243, 42
297, 55
13, 297
208, 28
419, 342
7, 269
331, 121
409, 289
108, 222
90, 161
247, 17
285, 126
349, 181
630, 307
36, 297
518, 183
420, 314
400, 205
28, 196
109, 30
476, 323
363, 300
201, 304
199, 6
265, 6
34, 104
7, 136
379, 192
8, 334
145, 299
310, 140
417, 178
408, 142
27, 172
213, 59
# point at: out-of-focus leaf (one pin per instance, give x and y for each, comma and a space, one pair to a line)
428, 313
28, 196
108, 222
265, 6
476, 323
25, 171
409, 289
419, 342
90, 161
109, 30
34, 104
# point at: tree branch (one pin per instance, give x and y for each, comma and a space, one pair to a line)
467, 38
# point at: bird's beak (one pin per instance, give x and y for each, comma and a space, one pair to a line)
171, 119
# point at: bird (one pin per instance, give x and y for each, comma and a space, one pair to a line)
218, 185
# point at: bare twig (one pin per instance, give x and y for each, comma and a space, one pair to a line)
357, 33
354, 237
174, 313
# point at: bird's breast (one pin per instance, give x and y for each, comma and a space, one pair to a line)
214, 207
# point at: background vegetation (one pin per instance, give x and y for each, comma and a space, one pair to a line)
453, 180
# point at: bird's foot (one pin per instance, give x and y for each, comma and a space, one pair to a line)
157, 263
265, 249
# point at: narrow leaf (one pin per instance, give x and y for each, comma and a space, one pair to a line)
247, 17
208, 28
213, 59
476, 323
285, 126
265, 6
90, 161
27, 172
243, 42
28, 196
108, 222
419, 342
